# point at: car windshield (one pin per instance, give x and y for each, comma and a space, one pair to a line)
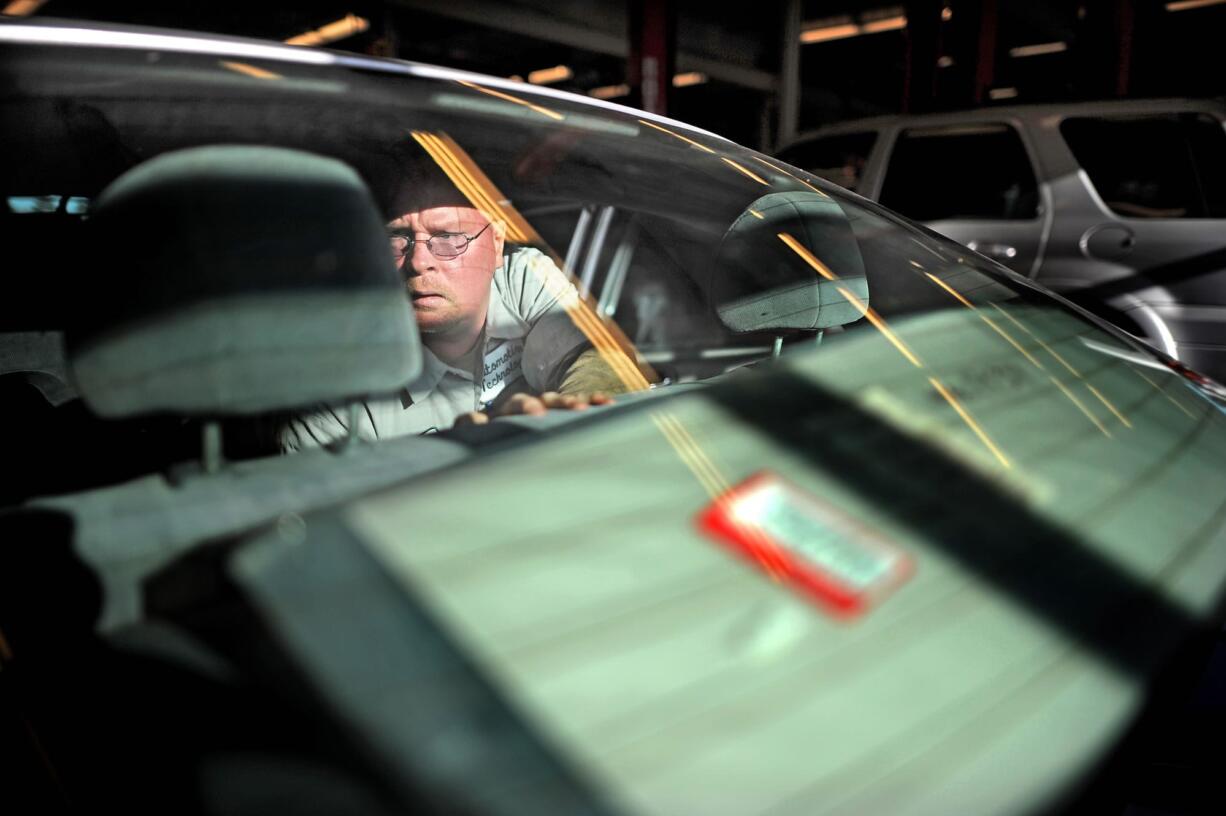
647, 217
950, 466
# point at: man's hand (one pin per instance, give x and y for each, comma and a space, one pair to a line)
533, 405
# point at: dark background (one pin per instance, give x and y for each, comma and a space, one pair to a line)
917, 55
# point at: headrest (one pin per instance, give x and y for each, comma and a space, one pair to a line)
765, 275
237, 280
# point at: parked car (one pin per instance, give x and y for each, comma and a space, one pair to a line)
879, 527
1119, 205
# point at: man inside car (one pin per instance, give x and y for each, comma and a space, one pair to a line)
494, 325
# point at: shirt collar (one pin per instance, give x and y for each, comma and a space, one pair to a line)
500, 324
432, 372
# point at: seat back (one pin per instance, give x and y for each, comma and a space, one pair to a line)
790, 261
235, 280
232, 281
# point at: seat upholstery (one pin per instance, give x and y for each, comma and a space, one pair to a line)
235, 280
788, 263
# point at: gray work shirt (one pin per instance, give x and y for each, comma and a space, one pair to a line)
529, 337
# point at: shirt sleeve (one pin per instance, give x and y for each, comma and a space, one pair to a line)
321, 427
590, 373
311, 430
533, 286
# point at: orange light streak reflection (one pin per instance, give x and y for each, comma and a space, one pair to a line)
1060, 358
1081, 406
807, 256
991, 323
1110, 407
1162, 391
676, 135
970, 421
509, 98
823, 270
1076, 402
779, 169
1056, 355
485, 197
881, 326
745, 171
249, 70
718, 489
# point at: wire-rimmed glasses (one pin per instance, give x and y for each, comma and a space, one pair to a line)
442, 245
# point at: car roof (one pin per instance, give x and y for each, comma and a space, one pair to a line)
78, 33
1026, 112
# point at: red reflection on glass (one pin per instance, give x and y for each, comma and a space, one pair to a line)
822, 552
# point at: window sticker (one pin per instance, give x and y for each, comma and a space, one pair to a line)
810, 545
500, 366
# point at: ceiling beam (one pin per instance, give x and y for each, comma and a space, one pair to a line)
517, 20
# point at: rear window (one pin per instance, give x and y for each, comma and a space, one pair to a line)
979, 172
28, 205
1170, 166
835, 158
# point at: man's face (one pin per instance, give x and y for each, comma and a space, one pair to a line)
449, 294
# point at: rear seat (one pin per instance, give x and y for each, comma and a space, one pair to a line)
225, 284
54, 443
231, 283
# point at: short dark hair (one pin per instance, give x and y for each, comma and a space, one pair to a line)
407, 180
414, 194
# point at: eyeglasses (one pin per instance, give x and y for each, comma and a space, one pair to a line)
442, 245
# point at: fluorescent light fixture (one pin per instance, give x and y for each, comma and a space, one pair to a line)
1185, 5
884, 24
434, 72
689, 78
1038, 49
826, 33
23, 8
610, 91
64, 36
346, 26
546, 76
891, 18
1002, 93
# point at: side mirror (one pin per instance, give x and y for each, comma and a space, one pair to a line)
790, 261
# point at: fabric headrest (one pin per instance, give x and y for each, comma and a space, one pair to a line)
765, 275
236, 280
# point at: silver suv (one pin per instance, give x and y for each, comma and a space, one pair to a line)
1120, 206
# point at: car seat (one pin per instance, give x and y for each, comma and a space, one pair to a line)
227, 282
789, 263
231, 282
55, 444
